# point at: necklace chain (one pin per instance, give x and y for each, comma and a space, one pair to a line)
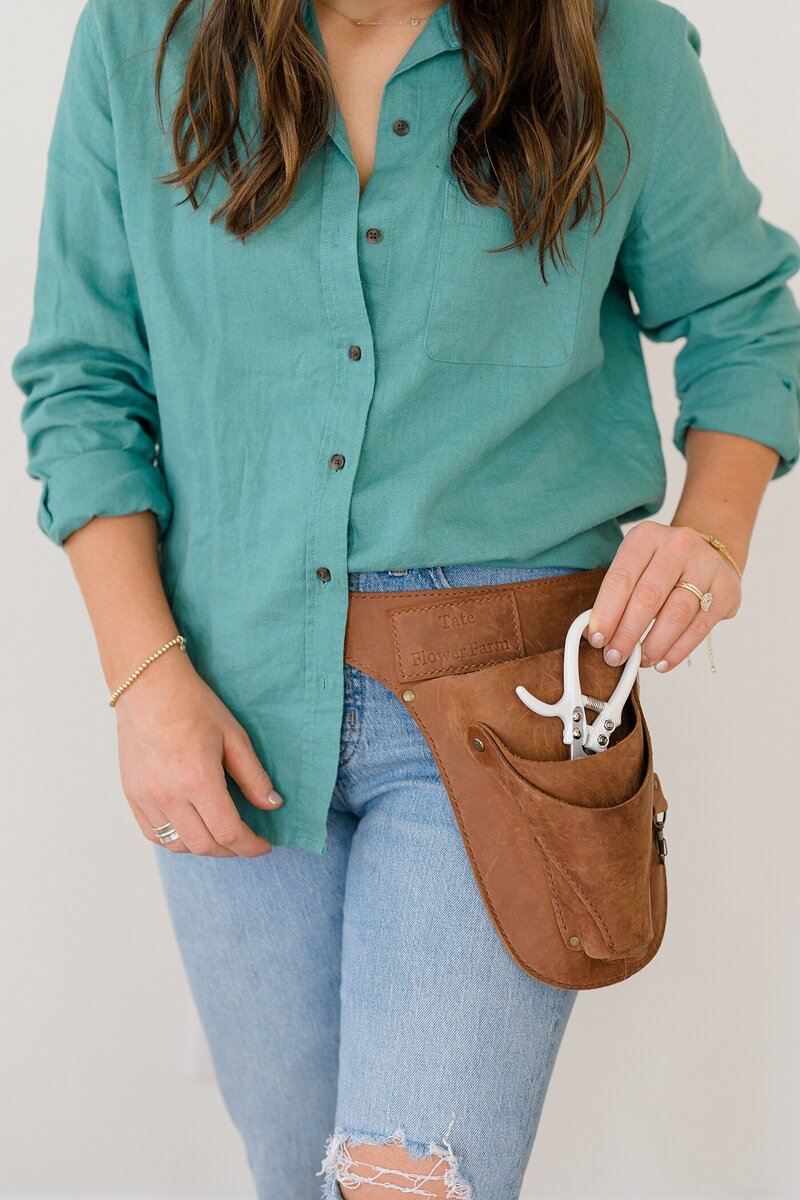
710, 651
363, 21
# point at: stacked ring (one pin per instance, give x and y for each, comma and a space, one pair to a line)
166, 833
705, 598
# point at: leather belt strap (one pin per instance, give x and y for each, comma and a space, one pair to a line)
435, 632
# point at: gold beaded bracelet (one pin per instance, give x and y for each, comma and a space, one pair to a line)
176, 641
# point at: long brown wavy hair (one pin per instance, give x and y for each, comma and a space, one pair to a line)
528, 142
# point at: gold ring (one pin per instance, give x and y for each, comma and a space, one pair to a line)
705, 598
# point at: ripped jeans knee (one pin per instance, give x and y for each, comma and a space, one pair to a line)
423, 1169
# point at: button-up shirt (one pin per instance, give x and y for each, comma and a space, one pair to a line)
360, 385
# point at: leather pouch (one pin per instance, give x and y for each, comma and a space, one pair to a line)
568, 854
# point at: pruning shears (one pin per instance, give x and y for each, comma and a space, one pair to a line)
582, 738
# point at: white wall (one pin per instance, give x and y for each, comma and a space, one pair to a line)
681, 1082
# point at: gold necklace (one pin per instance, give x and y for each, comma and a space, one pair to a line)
362, 21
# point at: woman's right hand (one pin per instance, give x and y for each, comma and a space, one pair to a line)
174, 737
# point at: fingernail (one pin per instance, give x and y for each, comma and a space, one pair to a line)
662, 666
644, 661
612, 657
274, 798
598, 639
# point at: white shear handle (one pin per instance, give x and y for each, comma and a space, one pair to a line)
609, 718
571, 707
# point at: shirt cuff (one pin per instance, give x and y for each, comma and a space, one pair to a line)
101, 483
750, 401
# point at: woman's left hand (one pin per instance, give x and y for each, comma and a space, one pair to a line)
639, 586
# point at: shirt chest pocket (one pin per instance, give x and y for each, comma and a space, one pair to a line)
495, 309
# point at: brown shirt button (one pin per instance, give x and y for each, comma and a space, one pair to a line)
401, 128
355, 353
373, 235
336, 461
323, 573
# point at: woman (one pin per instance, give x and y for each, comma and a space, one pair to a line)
312, 378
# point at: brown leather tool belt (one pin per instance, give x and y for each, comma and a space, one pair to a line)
568, 854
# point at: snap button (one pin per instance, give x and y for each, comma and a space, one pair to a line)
574, 940
408, 695
478, 744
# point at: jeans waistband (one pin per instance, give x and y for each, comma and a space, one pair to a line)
455, 575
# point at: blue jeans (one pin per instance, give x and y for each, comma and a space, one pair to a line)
364, 994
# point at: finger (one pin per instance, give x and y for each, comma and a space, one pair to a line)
651, 593
149, 818
195, 833
630, 560
697, 631
676, 616
216, 807
726, 598
242, 763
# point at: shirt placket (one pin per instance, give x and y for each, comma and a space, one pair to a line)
353, 245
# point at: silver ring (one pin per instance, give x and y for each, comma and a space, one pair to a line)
166, 833
705, 598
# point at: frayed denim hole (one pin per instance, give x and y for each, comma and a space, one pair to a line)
341, 1157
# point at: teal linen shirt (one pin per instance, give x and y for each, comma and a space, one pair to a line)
323, 396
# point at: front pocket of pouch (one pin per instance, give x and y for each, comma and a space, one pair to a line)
597, 845
495, 309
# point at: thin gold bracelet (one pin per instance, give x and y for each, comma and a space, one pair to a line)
723, 549
726, 554
176, 641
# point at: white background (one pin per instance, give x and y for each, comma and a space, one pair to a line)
681, 1082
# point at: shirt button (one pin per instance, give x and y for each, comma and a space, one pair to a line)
336, 461
323, 573
401, 128
373, 235
354, 352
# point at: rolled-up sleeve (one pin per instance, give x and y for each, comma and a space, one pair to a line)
90, 414
704, 265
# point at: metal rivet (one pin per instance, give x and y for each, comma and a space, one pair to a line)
478, 744
408, 695
602, 740
575, 940
609, 725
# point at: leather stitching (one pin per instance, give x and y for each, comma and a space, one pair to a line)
469, 667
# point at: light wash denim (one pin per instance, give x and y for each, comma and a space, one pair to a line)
364, 994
